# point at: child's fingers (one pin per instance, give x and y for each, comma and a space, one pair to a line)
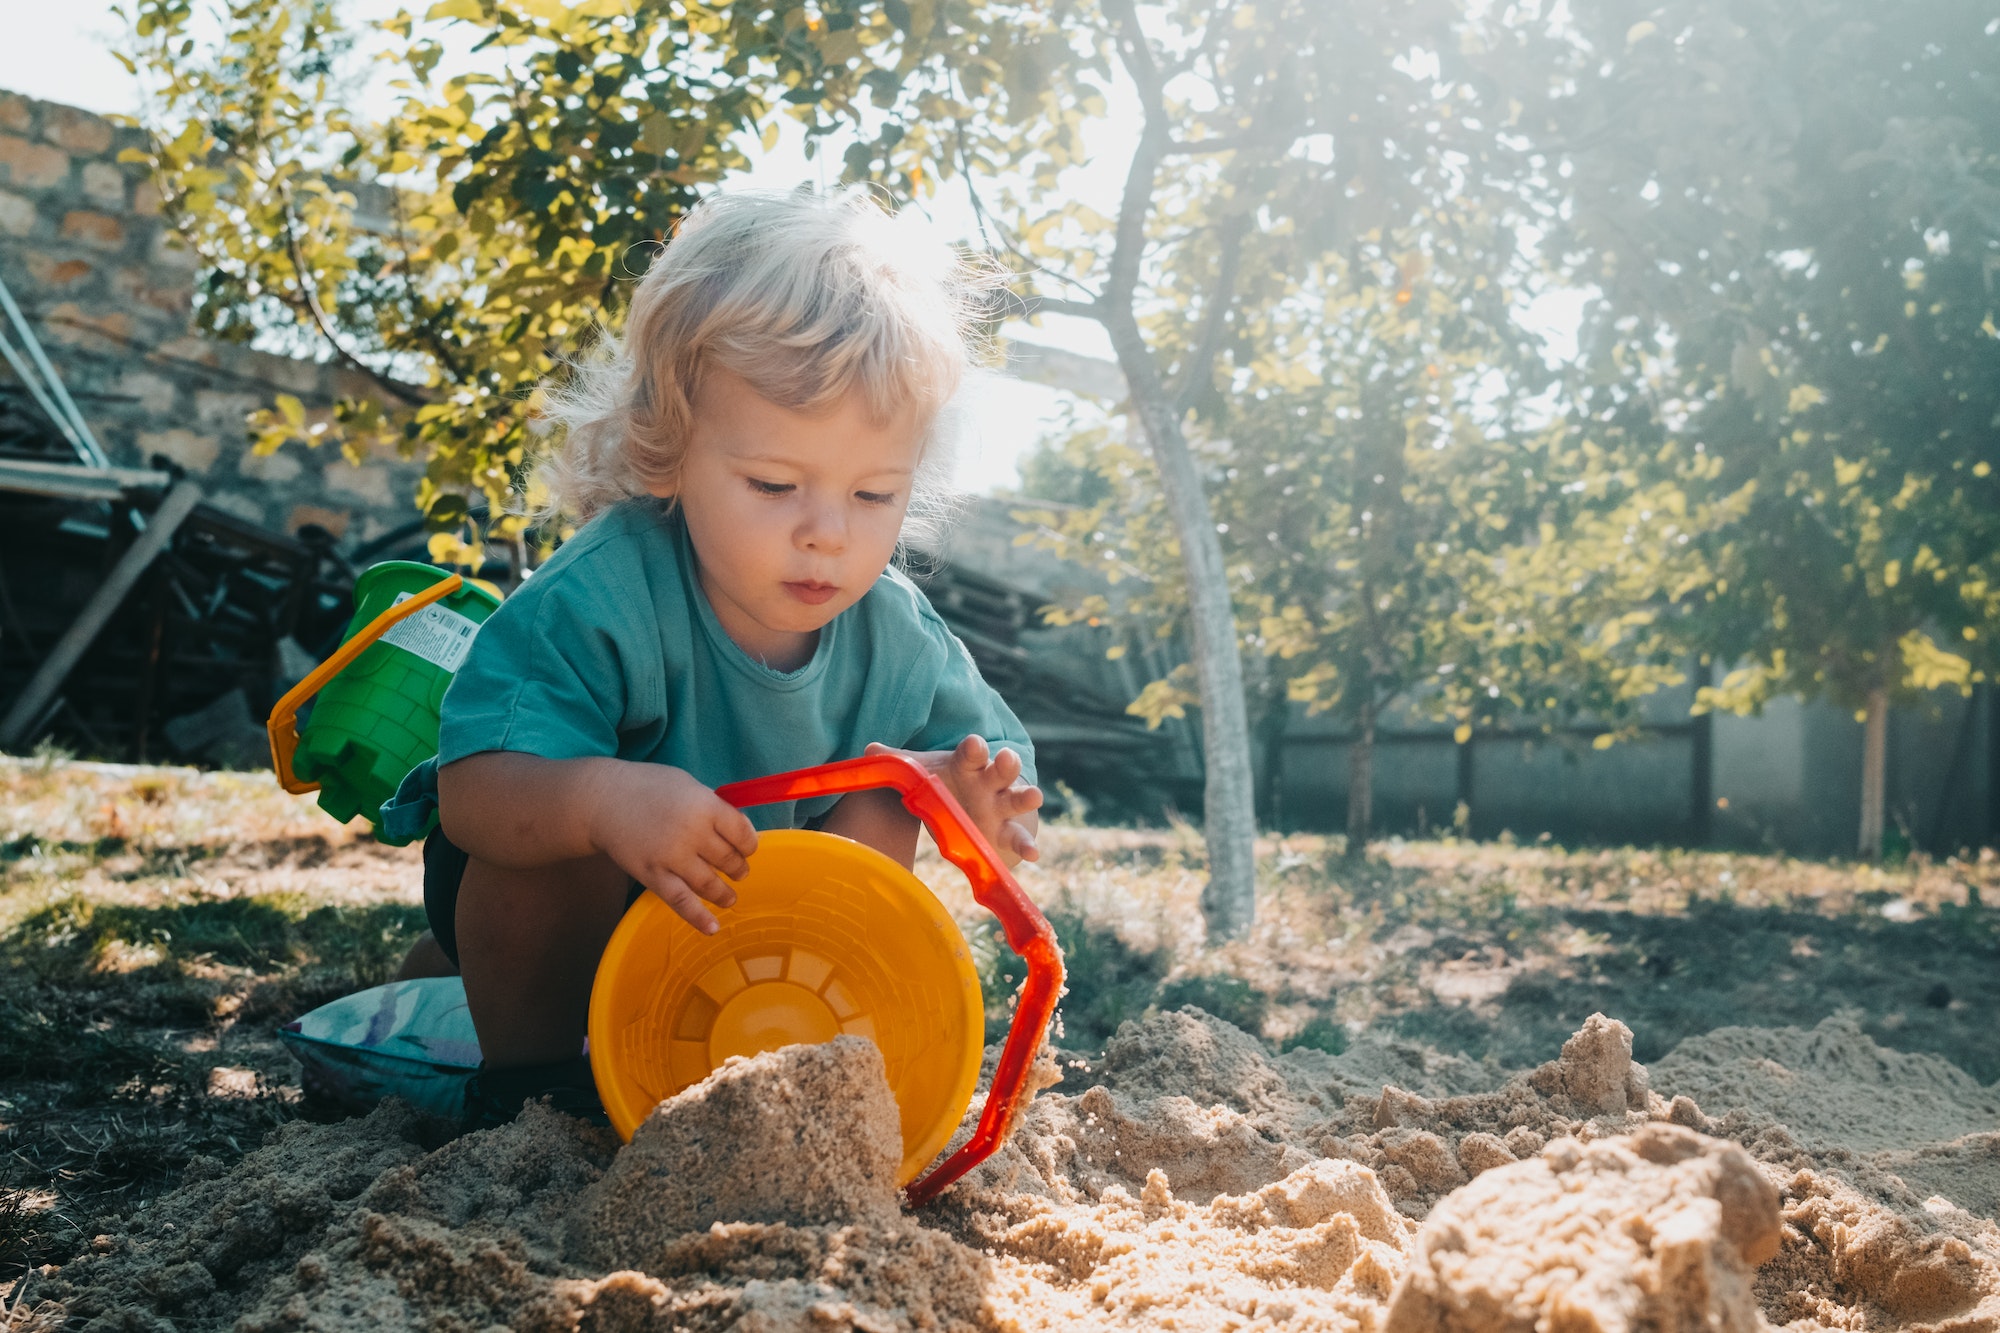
672, 890
701, 877
1005, 768
1016, 839
737, 831
971, 755
722, 854
1020, 800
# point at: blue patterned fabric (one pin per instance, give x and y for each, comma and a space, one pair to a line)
408, 1039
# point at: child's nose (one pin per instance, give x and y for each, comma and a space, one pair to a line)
825, 529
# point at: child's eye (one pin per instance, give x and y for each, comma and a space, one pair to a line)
771, 487
876, 497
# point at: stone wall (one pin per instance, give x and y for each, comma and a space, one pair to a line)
108, 288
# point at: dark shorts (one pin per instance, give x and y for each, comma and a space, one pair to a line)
444, 868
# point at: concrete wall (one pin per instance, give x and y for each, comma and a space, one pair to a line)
1787, 780
1942, 766
108, 289
1791, 778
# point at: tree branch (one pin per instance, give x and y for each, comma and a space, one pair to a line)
1200, 369
409, 394
1030, 306
1222, 143
984, 217
1137, 53
439, 348
1129, 246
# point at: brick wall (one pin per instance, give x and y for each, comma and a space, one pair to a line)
108, 289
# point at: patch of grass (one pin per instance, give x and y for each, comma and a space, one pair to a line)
81, 980
29, 845
1108, 980
1319, 1034
73, 938
1231, 999
22, 1227
48, 1036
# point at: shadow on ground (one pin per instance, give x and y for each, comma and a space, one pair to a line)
112, 1017
1930, 985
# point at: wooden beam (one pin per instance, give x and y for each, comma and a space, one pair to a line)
72, 481
161, 525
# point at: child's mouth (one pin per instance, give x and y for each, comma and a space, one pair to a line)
812, 594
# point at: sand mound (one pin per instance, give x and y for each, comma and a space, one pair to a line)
1196, 1182
354, 1226
1830, 1085
806, 1135
1658, 1229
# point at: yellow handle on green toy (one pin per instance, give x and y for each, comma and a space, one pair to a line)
283, 726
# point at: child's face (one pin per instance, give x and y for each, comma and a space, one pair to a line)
793, 517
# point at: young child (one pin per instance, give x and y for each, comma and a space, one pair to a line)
744, 466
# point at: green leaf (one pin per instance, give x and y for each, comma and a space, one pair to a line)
446, 512
656, 132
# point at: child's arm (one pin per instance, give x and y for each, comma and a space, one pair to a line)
989, 787
656, 823
878, 819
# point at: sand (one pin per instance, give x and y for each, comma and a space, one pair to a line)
1831, 1086
1187, 1180
811, 1138
1661, 1228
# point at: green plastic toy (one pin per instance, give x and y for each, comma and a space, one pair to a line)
377, 715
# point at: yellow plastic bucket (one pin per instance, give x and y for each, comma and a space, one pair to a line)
827, 937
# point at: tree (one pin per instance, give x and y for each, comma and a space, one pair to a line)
1273, 133
1792, 211
1312, 280
1404, 533
456, 252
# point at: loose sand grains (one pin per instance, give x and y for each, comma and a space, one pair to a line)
1189, 1181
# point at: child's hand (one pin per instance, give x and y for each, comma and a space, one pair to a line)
675, 836
989, 787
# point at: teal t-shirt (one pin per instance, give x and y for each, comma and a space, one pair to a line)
612, 649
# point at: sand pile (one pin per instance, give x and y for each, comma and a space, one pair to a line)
1189, 1179
811, 1137
545, 1224
1831, 1086
1658, 1229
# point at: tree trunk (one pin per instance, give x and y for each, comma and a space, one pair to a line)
1379, 471
1229, 824
1229, 901
1874, 773
1361, 784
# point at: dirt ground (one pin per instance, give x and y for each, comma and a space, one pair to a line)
156, 925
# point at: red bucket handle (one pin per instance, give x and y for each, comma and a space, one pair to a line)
1027, 930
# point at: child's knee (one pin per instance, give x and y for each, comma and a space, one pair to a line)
563, 906
426, 958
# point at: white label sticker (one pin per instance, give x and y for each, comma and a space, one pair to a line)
434, 634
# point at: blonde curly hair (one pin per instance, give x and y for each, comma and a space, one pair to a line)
808, 298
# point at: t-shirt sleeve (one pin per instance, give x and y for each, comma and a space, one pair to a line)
962, 704
543, 677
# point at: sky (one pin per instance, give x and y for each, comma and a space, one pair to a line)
60, 51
